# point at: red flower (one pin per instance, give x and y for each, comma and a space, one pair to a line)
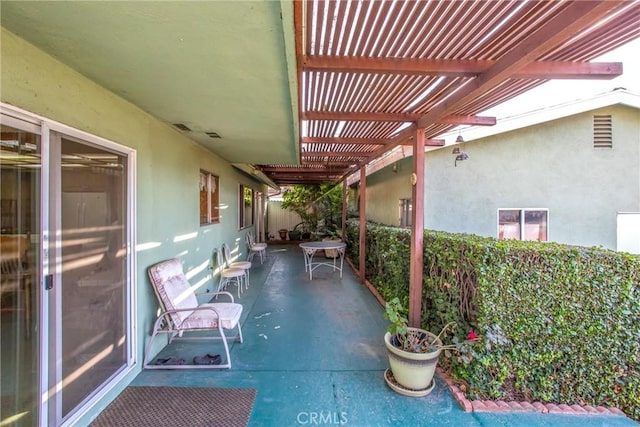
472, 335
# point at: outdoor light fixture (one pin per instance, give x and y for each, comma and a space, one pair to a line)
460, 157
457, 151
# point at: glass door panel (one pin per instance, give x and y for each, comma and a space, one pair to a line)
20, 174
92, 251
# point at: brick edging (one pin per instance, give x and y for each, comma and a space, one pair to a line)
539, 407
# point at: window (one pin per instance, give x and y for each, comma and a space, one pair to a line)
523, 224
405, 206
209, 198
245, 207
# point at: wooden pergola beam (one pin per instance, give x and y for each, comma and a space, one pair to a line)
461, 67
343, 163
336, 154
427, 142
468, 120
394, 117
351, 141
575, 17
307, 172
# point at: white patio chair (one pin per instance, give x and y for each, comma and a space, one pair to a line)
228, 275
255, 248
181, 313
243, 265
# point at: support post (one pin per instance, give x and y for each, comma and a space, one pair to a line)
344, 210
417, 230
363, 222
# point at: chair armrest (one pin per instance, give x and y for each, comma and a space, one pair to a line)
166, 316
216, 294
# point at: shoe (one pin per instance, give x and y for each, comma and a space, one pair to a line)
170, 361
208, 359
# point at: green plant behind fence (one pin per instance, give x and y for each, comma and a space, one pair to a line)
555, 323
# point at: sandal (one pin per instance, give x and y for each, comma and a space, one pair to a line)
170, 361
207, 359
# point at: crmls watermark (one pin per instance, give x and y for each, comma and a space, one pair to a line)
322, 418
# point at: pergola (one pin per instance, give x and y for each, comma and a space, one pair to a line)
374, 75
313, 91
371, 73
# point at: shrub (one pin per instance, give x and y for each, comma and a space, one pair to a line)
556, 323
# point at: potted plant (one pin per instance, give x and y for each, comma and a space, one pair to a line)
413, 353
295, 233
283, 233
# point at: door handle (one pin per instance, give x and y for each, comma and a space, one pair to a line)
48, 282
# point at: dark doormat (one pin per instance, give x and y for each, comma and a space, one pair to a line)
178, 406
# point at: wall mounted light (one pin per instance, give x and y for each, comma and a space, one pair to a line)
457, 151
460, 157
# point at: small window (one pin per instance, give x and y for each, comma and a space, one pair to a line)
405, 206
245, 208
602, 131
523, 224
209, 198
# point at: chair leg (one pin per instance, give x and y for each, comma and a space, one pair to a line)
226, 345
239, 333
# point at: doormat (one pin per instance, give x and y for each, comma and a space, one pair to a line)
178, 406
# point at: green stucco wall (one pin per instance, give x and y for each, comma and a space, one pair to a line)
168, 166
385, 188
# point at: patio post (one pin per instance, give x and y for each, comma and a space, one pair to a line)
363, 219
417, 229
344, 210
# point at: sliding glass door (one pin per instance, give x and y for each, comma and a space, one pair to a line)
89, 284
20, 173
66, 279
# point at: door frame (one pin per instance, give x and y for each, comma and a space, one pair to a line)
49, 410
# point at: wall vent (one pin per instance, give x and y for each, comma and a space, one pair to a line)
182, 127
602, 131
213, 135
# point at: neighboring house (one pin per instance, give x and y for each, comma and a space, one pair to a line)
568, 174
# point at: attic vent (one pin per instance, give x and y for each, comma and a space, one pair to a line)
602, 135
213, 135
182, 127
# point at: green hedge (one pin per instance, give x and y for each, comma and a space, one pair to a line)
556, 323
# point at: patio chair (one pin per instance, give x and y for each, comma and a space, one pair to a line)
229, 275
255, 248
243, 265
181, 313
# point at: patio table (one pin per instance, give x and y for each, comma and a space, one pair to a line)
309, 249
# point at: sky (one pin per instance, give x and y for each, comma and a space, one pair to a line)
560, 91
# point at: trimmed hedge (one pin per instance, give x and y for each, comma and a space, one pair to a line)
556, 323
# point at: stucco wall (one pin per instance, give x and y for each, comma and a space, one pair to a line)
552, 165
385, 188
168, 166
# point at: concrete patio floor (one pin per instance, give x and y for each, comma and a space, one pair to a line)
314, 352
